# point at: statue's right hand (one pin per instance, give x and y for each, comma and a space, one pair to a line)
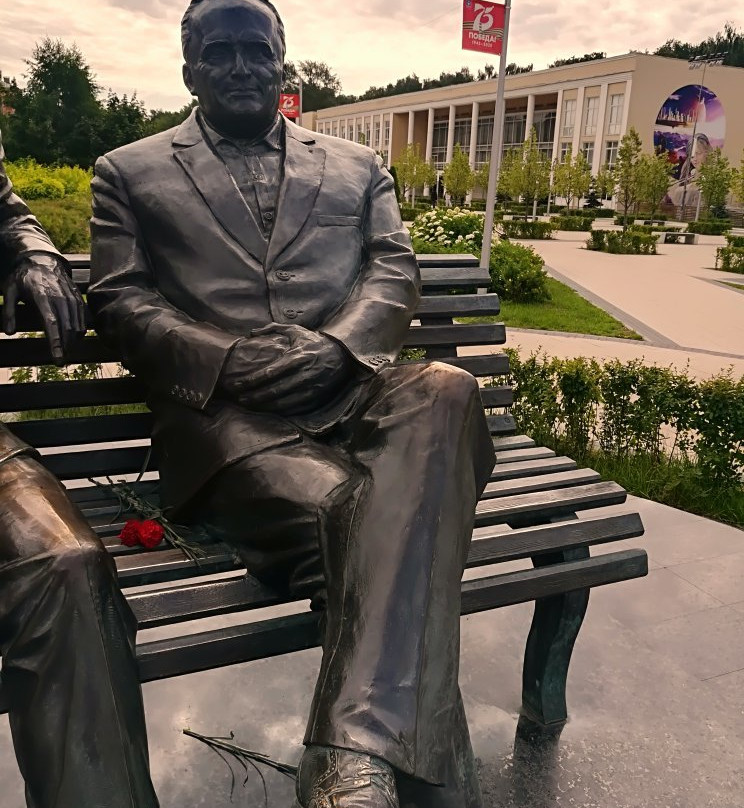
247, 356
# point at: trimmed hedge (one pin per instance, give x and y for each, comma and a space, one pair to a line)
517, 228
573, 223
622, 409
709, 227
67, 221
730, 259
628, 243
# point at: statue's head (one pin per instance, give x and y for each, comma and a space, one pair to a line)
234, 60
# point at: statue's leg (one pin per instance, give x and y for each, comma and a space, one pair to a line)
395, 552
67, 643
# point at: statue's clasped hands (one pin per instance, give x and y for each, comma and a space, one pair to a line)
286, 369
43, 281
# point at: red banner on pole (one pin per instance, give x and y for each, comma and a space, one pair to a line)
483, 26
289, 105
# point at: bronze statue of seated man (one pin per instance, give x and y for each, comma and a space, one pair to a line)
67, 636
258, 279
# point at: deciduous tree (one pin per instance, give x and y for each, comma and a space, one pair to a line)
654, 172
715, 178
458, 176
572, 177
625, 172
413, 171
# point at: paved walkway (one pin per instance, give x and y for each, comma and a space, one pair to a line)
676, 301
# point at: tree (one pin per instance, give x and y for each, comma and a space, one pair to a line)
604, 182
625, 171
159, 120
574, 60
572, 177
57, 116
737, 185
510, 175
715, 178
654, 172
483, 175
458, 176
123, 121
535, 179
729, 41
413, 171
321, 87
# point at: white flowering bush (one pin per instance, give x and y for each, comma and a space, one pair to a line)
450, 227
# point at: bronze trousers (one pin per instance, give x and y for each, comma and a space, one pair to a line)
67, 639
374, 521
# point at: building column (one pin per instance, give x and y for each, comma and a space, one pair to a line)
390, 142
451, 134
474, 132
429, 142
599, 139
530, 115
626, 108
411, 126
558, 126
578, 122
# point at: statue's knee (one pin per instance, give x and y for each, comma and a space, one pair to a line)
84, 561
450, 386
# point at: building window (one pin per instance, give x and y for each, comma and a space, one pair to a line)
439, 144
590, 118
484, 143
335, 130
515, 130
566, 150
386, 143
463, 128
376, 142
587, 149
544, 125
343, 131
611, 152
368, 135
569, 117
617, 102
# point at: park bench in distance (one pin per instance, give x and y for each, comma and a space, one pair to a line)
528, 511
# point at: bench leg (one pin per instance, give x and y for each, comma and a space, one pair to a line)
555, 627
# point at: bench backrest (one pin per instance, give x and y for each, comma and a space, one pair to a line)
114, 442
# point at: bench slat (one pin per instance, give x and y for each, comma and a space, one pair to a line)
526, 485
501, 424
53, 395
213, 649
211, 598
541, 506
517, 455
459, 306
513, 442
530, 468
98, 463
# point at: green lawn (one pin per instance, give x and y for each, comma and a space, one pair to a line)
735, 285
566, 311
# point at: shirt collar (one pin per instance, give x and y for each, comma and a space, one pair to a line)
272, 139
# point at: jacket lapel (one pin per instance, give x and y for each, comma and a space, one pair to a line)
218, 189
304, 164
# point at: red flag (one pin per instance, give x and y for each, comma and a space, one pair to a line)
289, 106
483, 26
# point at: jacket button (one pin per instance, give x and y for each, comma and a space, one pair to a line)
268, 217
283, 275
291, 314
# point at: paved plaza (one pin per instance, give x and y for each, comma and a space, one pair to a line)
676, 300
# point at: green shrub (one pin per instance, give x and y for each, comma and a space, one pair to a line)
603, 213
709, 227
629, 410
35, 181
734, 241
450, 227
408, 214
627, 243
518, 228
517, 273
478, 205
66, 220
573, 223
641, 228
730, 259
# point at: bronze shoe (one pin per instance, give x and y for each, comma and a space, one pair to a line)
335, 778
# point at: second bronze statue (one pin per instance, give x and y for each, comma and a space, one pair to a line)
259, 281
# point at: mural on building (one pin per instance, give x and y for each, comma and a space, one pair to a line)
690, 124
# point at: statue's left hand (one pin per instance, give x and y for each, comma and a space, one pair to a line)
43, 281
305, 378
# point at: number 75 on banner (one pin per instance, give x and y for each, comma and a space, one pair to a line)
483, 26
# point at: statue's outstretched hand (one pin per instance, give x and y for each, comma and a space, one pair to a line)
310, 373
43, 281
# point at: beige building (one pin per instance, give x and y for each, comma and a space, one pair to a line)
586, 107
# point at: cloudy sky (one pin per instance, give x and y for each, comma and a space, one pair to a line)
134, 44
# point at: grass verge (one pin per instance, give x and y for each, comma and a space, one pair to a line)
566, 311
735, 285
675, 483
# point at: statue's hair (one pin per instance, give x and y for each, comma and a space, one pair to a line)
187, 24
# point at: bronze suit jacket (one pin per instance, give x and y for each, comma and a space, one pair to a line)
20, 234
181, 271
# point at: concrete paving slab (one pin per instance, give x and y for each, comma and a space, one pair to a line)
721, 577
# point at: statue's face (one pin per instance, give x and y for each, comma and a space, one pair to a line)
234, 65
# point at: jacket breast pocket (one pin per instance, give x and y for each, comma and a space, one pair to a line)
339, 221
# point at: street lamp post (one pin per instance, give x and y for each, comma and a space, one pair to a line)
695, 64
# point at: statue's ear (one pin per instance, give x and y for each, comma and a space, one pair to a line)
188, 79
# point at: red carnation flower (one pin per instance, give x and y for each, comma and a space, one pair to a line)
130, 534
151, 533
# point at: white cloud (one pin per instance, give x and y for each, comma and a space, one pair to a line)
134, 44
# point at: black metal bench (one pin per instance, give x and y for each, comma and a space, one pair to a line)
670, 237
529, 510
